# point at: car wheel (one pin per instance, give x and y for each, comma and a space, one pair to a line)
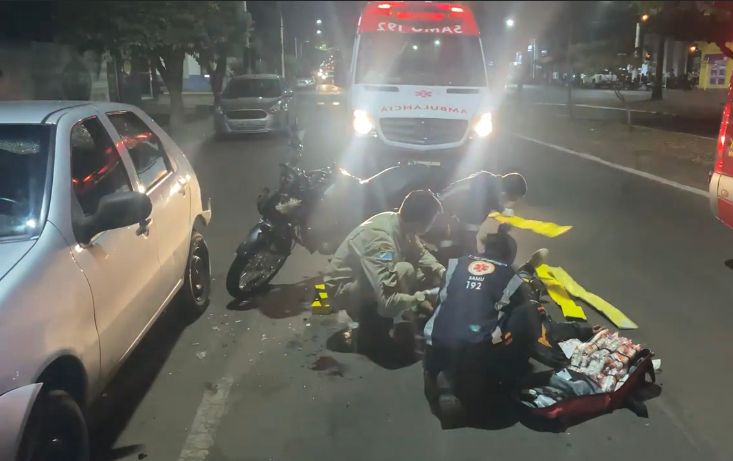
194, 294
56, 430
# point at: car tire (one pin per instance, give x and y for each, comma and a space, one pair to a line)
194, 294
56, 430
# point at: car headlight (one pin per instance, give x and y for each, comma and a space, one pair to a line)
275, 107
483, 125
363, 124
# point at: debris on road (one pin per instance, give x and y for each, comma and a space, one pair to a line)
201, 355
327, 363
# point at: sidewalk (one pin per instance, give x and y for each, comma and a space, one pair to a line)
676, 156
196, 106
692, 103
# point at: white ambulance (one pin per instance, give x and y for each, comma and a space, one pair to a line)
418, 80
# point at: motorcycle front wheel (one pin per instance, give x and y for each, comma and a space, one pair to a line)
253, 267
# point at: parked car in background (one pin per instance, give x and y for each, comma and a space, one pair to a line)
721, 178
605, 79
305, 82
254, 104
100, 229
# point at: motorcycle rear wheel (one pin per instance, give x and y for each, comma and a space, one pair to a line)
253, 268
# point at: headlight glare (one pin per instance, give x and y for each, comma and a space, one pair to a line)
483, 125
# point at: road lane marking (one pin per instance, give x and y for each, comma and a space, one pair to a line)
203, 429
643, 174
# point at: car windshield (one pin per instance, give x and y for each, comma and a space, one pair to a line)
23, 165
420, 59
253, 88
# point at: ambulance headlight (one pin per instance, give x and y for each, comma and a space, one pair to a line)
482, 125
363, 124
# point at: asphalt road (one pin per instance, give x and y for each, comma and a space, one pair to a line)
237, 383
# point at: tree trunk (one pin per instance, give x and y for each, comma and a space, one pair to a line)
569, 67
659, 75
217, 77
172, 73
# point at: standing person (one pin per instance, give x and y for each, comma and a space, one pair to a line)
382, 270
468, 203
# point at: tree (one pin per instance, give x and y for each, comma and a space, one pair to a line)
686, 20
225, 30
161, 32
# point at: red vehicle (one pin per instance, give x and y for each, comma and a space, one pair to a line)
721, 179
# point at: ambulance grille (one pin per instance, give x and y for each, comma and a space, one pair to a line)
423, 131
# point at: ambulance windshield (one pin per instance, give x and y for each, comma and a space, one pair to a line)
420, 59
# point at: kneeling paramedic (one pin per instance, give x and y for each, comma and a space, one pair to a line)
382, 273
484, 331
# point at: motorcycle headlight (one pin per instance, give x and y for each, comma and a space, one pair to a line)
483, 125
275, 107
363, 124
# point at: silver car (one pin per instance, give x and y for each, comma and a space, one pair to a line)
254, 104
100, 229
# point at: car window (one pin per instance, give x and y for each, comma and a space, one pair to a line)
253, 88
24, 151
145, 148
96, 167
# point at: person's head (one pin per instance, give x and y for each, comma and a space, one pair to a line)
419, 210
500, 246
513, 187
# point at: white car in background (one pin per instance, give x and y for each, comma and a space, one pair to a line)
100, 218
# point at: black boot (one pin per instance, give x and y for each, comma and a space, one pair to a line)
450, 409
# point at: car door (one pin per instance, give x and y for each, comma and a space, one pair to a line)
158, 176
121, 265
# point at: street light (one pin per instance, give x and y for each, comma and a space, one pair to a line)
509, 23
644, 17
319, 22
319, 32
693, 48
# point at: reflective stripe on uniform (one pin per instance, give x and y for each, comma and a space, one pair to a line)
514, 283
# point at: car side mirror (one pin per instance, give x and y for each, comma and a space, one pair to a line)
114, 211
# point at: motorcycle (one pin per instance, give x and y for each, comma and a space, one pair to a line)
308, 208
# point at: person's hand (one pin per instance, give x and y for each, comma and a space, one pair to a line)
425, 308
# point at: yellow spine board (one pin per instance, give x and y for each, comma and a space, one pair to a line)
548, 229
611, 312
558, 294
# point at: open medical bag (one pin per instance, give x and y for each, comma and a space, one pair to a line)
570, 408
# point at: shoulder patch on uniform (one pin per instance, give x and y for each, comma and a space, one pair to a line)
385, 256
481, 268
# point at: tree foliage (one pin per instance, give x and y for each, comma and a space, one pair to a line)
160, 32
693, 21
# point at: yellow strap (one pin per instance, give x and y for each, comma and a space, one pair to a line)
316, 304
613, 314
559, 294
548, 229
320, 286
323, 295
